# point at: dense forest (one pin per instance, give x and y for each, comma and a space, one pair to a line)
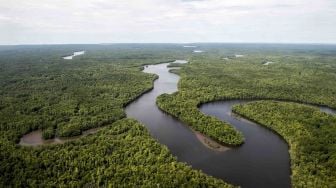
42, 91
66, 97
304, 78
310, 134
39, 90
122, 154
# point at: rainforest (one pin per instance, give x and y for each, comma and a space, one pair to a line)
164, 115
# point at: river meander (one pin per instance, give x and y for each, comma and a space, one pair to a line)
262, 161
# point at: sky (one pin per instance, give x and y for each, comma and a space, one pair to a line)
167, 21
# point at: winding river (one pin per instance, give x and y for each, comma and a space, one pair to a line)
262, 161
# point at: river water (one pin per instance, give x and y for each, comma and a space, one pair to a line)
262, 161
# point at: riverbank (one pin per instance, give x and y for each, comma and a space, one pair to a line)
209, 143
307, 130
35, 138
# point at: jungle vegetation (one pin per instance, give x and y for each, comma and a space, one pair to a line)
301, 78
310, 134
122, 154
41, 91
304, 76
65, 97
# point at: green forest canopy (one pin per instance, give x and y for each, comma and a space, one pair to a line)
40, 90
310, 134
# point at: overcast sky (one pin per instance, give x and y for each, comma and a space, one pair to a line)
182, 21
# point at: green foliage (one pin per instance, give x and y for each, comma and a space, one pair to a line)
175, 65
40, 90
303, 78
208, 125
122, 154
48, 133
68, 130
306, 76
311, 135
175, 71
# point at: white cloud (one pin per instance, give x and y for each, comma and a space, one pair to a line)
96, 21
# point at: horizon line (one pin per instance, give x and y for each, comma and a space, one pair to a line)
113, 43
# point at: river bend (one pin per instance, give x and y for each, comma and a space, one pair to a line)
262, 161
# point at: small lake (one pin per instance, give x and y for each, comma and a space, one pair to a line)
268, 63
74, 54
180, 61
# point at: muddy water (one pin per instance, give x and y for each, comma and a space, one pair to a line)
35, 138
